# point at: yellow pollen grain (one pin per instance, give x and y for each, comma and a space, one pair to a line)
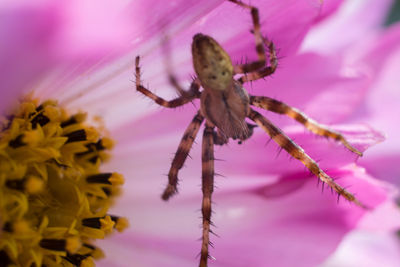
122, 224
73, 244
91, 134
52, 113
80, 117
21, 227
98, 254
116, 179
107, 224
45, 157
107, 143
28, 107
88, 262
32, 138
34, 185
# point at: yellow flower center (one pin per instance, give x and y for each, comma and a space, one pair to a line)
53, 199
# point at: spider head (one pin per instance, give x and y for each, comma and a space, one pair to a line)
212, 64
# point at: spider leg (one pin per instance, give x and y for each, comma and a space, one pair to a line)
181, 154
313, 126
249, 67
207, 159
265, 71
187, 97
194, 87
298, 153
193, 91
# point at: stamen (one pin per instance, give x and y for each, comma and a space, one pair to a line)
4, 258
39, 119
94, 251
32, 138
120, 223
106, 191
78, 118
70, 244
79, 135
80, 260
49, 181
17, 142
100, 145
31, 185
104, 223
106, 178
7, 227
107, 222
92, 222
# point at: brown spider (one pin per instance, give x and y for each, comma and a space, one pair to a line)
225, 105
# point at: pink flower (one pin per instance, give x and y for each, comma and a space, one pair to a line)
258, 212
268, 210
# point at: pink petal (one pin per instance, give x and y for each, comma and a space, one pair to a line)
384, 166
284, 22
386, 217
26, 34
327, 153
384, 45
381, 106
87, 31
172, 16
329, 8
254, 223
352, 26
43, 40
221, 23
382, 249
316, 85
163, 130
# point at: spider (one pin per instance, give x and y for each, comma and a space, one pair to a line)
224, 106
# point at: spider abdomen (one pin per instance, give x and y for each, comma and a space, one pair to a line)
227, 110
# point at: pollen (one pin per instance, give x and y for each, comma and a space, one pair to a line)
54, 200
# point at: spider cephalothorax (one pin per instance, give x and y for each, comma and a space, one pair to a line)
225, 105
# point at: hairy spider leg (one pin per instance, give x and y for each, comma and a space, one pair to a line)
195, 85
276, 106
179, 101
252, 66
266, 70
181, 154
298, 153
207, 158
167, 61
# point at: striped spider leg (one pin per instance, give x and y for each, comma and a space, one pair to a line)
189, 135
276, 106
298, 153
183, 150
257, 69
171, 75
224, 106
207, 187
